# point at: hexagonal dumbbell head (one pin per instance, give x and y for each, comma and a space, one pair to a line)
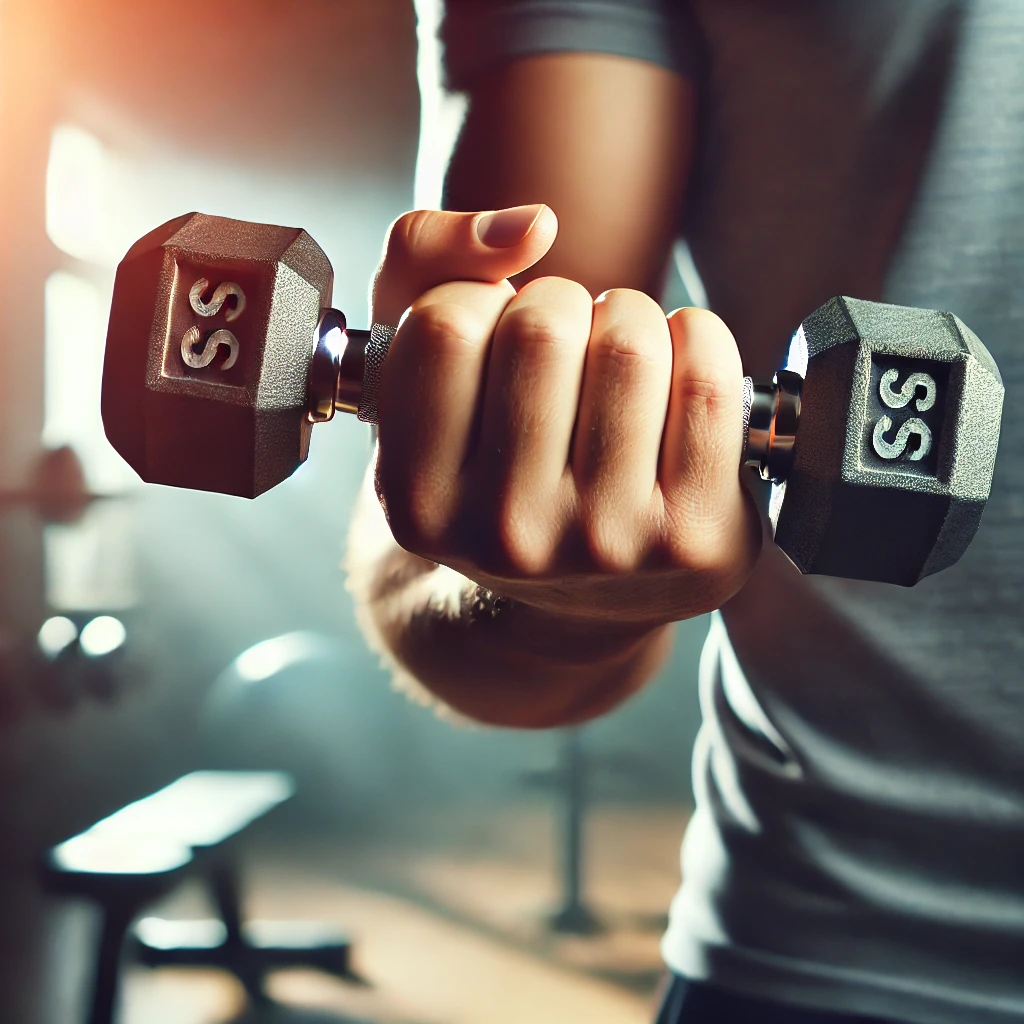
208, 353
896, 443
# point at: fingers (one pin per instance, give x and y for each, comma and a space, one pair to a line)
533, 385
625, 395
703, 430
430, 390
601, 423
426, 248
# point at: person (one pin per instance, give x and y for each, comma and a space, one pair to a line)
556, 482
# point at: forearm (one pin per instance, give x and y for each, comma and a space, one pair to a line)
522, 668
605, 142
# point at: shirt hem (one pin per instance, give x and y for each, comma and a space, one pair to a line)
815, 986
477, 38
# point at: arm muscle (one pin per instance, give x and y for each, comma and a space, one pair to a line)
604, 141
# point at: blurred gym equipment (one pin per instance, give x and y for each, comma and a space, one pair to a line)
75, 655
72, 658
81, 656
143, 851
573, 781
569, 782
57, 491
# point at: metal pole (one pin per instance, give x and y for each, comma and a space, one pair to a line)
575, 917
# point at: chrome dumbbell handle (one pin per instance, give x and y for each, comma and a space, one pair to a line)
345, 374
771, 413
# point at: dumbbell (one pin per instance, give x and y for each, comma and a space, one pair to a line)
879, 436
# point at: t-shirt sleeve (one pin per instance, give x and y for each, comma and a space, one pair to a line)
477, 35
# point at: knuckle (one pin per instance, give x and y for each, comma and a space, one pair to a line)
443, 326
631, 330
427, 509
416, 519
560, 289
626, 348
705, 559
514, 542
532, 327
614, 296
698, 544
710, 385
632, 303
611, 544
519, 553
710, 412
704, 393
706, 345
397, 515
702, 384
521, 545
697, 318
415, 507
400, 525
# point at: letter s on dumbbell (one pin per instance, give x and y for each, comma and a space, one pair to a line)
198, 360
909, 428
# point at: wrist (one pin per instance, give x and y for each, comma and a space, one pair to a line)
546, 634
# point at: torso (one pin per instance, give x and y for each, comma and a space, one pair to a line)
862, 775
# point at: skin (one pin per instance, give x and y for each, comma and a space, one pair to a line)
545, 430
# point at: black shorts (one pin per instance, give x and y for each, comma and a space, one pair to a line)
690, 1002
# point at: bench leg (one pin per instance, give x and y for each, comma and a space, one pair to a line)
223, 880
108, 966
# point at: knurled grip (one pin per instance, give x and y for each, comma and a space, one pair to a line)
376, 349
748, 401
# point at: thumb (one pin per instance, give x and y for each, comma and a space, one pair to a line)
426, 248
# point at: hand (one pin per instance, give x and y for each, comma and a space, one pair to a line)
576, 455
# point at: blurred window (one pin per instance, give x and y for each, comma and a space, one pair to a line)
75, 329
89, 565
76, 192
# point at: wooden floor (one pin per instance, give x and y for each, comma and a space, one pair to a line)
449, 921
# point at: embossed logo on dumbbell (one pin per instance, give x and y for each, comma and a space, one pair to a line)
919, 388
192, 337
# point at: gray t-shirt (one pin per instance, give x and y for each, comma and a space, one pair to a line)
858, 839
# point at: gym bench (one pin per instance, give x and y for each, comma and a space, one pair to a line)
142, 852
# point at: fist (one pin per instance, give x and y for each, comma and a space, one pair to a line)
575, 454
